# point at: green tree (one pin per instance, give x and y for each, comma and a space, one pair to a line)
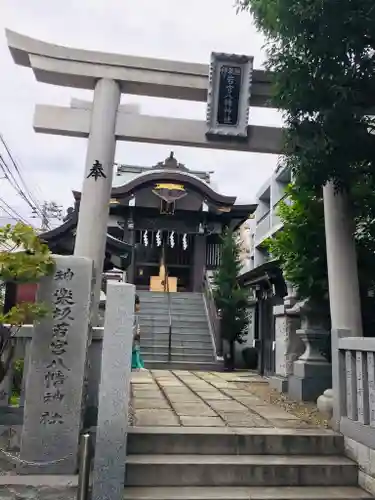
300, 245
322, 58
300, 248
230, 299
323, 61
23, 259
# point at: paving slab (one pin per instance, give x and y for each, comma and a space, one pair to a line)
237, 419
288, 423
188, 409
148, 395
181, 398
236, 393
175, 399
273, 412
189, 421
224, 385
213, 396
229, 406
150, 404
149, 417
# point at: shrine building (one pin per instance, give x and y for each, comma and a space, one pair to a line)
165, 218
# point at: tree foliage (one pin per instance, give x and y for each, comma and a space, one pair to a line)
230, 299
300, 246
322, 57
23, 259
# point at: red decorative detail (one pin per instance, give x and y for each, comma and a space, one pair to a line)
26, 292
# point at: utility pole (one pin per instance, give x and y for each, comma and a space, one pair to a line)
49, 210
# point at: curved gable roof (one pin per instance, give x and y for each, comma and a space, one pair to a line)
191, 181
70, 225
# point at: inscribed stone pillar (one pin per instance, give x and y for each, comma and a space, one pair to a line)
288, 346
56, 373
96, 191
114, 393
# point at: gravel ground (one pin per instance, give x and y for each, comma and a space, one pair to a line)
307, 412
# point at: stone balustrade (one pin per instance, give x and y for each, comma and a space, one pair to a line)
354, 378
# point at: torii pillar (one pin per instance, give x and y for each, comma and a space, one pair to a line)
96, 190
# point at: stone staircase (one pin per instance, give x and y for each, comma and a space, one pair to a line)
238, 464
192, 347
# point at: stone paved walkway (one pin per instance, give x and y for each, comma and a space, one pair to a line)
203, 399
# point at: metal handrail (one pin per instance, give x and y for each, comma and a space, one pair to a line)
166, 289
85, 457
213, 314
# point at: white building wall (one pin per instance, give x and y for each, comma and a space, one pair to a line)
266, 220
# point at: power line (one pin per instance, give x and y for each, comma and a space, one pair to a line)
20, 185
29, 197
11, 212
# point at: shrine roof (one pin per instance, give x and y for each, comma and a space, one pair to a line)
266, 275
70, 225
186, 178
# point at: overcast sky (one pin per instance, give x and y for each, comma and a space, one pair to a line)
170, 29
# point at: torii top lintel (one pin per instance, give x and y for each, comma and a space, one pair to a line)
78, 68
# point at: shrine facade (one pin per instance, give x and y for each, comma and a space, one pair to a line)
165, 218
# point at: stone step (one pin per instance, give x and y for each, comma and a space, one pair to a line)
246, 493
182, 340
176, 316
174, 295
177, 302
179, 332
152, 364
239, 470
149, 345
148, 354
187, 322
228, 441
163, 309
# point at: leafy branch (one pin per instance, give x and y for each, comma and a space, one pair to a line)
24, 258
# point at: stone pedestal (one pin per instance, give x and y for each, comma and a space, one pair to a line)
312, 374
56, 373
288, 347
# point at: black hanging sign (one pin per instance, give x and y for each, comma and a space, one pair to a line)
229, 95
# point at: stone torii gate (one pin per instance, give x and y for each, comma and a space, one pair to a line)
109, 75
